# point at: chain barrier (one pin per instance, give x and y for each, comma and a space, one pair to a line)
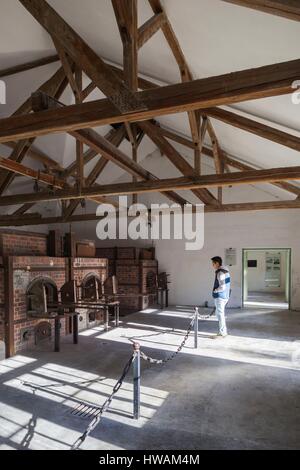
152, 360
95, 421
134, 359
209, 315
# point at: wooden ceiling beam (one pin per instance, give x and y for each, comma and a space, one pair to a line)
178, 161
217, 152
102, 146
36, 154
244, 167
163, 185
285, 8
126, 16
229, 160
150, 27
68, 67
271, 80
112, 153
88, 156
184, 69
28, 66
53, 86
83, 56
218, 156
116, 139
17, 168
254, 127
7, 220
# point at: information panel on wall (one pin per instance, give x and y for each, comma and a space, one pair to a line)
230, 256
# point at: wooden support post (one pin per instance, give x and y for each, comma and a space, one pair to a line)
79, 145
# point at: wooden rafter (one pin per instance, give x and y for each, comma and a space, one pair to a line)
116, 138
271, 80
286, 8
112, 153
17, 168
254, 127
83, 56
52, 87
148, 29
126, 15
79, 145
174, 156
68, 67
127, 19
184, 69
218, 156
102, 146
229, 160
155, 185
237, 207
36, 154
28, 66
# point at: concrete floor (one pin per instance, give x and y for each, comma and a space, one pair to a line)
266, 300
237, 393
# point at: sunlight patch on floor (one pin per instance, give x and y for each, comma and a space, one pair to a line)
8, 365
277, 305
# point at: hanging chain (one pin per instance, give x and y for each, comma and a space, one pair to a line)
206, 317
95, 421
151, 360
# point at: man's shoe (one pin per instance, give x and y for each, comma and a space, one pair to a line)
218, 336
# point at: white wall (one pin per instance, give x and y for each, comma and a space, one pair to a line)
191, 273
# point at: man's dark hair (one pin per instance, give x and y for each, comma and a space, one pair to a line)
217, 259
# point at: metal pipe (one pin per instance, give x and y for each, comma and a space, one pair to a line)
136, 381
196, 328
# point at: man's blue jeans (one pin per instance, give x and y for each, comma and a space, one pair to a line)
220, 312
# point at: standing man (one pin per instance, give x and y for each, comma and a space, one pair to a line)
221, 293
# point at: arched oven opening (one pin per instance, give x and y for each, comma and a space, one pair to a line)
91, 288
42, 297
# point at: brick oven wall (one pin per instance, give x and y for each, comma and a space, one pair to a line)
82, 267
132, 280
17, 243
131, 266
2, 332
25, 270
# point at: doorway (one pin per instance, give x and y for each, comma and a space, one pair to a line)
267, 277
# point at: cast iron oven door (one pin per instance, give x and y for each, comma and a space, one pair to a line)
42, 295
91, 288
42, 332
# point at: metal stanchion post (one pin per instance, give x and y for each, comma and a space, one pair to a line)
136, 381
196, 328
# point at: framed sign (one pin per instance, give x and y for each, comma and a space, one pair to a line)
230, 256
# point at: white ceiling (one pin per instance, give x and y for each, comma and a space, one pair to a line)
216, 38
